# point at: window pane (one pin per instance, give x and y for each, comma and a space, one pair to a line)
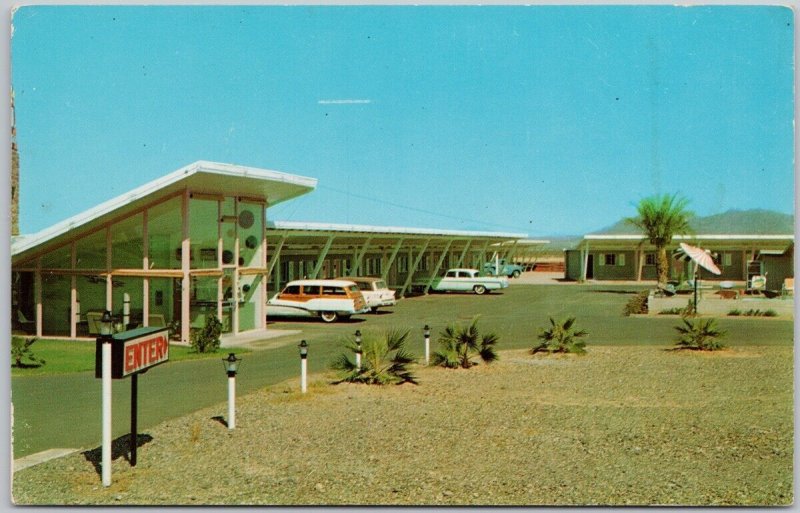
91, 251
126, 243
203, 232
164, 229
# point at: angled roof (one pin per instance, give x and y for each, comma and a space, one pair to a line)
201, 176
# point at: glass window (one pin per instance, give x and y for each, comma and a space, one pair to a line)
164, 233
333, 291
91, 251
610, 259
292, 289
60, 258
126, 243
203, 232
650, 259
311, 290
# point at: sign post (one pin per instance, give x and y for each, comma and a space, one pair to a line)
129, 353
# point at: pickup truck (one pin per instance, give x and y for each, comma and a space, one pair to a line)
506, 269
464, 280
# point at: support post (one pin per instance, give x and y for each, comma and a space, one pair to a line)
438, 266
355, 269
231, 400
106, 446
134, 413
389, 262
413, 268
321, 258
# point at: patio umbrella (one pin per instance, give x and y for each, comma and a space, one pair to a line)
700, 257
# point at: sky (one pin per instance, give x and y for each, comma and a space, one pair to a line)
543, 120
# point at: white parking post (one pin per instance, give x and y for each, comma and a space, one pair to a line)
231, 366
358, 349
303, 365
427, 332
126, 309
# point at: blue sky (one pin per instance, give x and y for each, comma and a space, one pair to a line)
541, 120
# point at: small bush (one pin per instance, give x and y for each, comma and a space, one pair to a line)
770, 313
21, 350
384, 360
458, 346
735, 312
672, 311
700, 335
637, 304
562, 337
207, 340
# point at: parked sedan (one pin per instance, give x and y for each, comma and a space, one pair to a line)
465, 280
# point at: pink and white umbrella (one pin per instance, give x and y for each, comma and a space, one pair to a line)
699, 256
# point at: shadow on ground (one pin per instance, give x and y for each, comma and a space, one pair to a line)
120, 447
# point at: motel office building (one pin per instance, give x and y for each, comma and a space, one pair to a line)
197, 241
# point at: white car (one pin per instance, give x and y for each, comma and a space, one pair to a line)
327, 299
375, 291
465, 280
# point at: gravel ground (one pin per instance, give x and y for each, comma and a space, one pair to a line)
621, 425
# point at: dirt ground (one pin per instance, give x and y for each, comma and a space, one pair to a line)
637, 425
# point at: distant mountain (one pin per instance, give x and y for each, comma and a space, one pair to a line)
732, 222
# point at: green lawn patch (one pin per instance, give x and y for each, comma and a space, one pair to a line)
63, 356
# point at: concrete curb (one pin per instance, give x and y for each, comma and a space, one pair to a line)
40, 457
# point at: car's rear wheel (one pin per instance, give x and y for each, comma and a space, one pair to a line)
515, 274
329, 316
479, 289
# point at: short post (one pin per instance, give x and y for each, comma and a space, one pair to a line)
231, 366
106, 330
303, 365
427, 332
358, 349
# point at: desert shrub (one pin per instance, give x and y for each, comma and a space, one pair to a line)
699, 335
770, 313
672, 311
206, 340
460, 345
384, 360
735, 312
21, 350
561, 337
637, 304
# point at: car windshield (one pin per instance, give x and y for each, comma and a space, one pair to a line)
333, 291
292, 289
380, 284
353, 288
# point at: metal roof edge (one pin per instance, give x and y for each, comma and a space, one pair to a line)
715, 236
399, 230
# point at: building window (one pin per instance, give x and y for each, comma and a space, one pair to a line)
402, 264
617, 259
650, 259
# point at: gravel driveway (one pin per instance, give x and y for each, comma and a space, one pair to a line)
621, 425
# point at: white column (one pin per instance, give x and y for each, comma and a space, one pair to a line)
303, 375
106, 448
232, 402
109, 281
145, 266
185, 267
37, 292
75, 307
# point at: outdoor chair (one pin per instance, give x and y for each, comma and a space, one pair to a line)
93, 322
787, 288
156, 320
24, 323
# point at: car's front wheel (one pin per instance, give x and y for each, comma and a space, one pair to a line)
515, 274
479, 289
329, 316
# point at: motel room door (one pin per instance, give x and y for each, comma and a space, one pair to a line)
590, 267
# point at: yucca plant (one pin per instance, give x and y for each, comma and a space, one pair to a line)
21, 350
561, 337
460, 345
699, 335
384, 360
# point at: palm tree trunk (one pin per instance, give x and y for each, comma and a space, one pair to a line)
662, 265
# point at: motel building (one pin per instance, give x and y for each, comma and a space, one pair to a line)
198, 241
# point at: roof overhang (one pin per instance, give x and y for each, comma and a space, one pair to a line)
710, 240
200, 177
296, 228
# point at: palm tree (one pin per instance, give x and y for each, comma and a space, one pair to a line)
459, 345
700, 335
660, 218
562, 337
384, 360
